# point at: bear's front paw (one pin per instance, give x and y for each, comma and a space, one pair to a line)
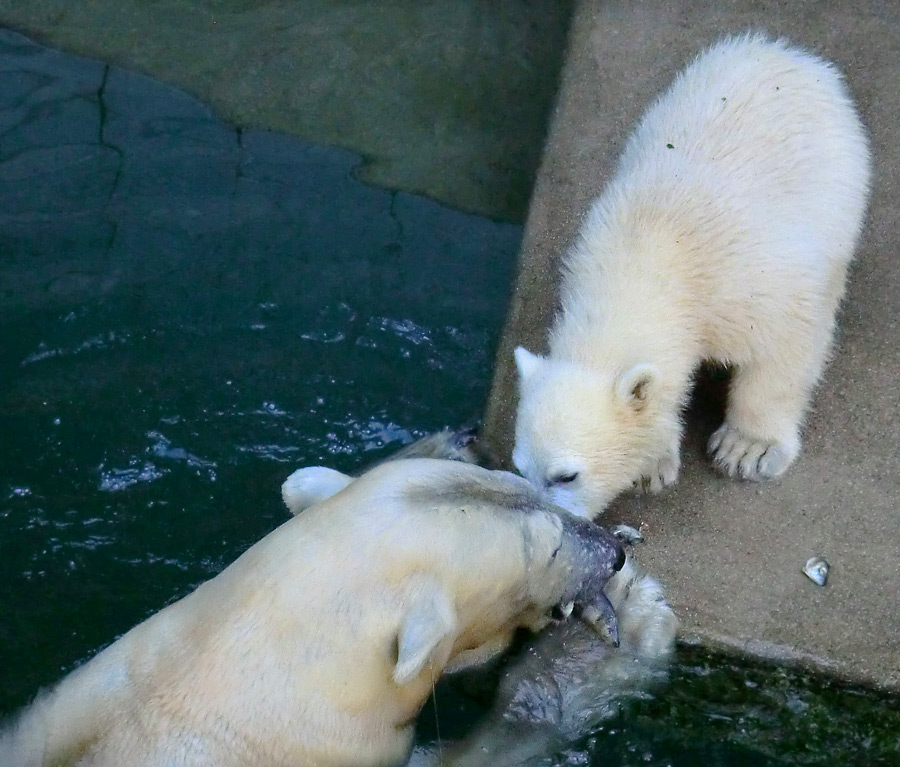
663, 474
737, 455
649, 623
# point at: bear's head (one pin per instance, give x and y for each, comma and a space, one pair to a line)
583, 436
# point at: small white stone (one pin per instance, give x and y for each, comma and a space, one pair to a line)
816, 569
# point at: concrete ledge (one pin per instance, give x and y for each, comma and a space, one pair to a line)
731, 553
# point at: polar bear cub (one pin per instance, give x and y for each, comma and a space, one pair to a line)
725, 235
320, 644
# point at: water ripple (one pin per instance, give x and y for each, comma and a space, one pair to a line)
278, 453
113, 480
405, 329
99, 342
162, 448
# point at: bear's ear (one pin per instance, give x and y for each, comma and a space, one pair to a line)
636, 387
429, 620
312, 485
526, 362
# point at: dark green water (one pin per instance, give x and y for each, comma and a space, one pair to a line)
187, 313
715, 711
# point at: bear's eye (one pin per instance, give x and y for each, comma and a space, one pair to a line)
565, 478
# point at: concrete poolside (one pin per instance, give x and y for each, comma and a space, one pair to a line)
731, 553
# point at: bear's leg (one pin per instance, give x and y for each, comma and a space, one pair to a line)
766, 403
662, 473
647, 625
769, 396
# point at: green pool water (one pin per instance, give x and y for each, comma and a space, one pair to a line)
188, 312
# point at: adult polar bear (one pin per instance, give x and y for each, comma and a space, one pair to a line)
725, 235
564, 682
319, 645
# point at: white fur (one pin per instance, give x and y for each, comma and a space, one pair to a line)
319, 645
647, 624
311, 485
725, 235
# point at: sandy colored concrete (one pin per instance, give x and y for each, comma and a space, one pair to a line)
730, 552
447, 98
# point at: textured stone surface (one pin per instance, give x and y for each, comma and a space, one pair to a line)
731, 553
448, 98
111, 181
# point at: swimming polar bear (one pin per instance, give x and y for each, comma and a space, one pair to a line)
319, 645
725, 235
563, 682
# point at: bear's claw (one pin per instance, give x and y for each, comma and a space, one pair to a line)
737, 455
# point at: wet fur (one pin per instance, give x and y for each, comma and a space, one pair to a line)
319, 645
314, 484
567, 680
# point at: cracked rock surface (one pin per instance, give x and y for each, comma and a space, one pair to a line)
109, 179
447, 98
